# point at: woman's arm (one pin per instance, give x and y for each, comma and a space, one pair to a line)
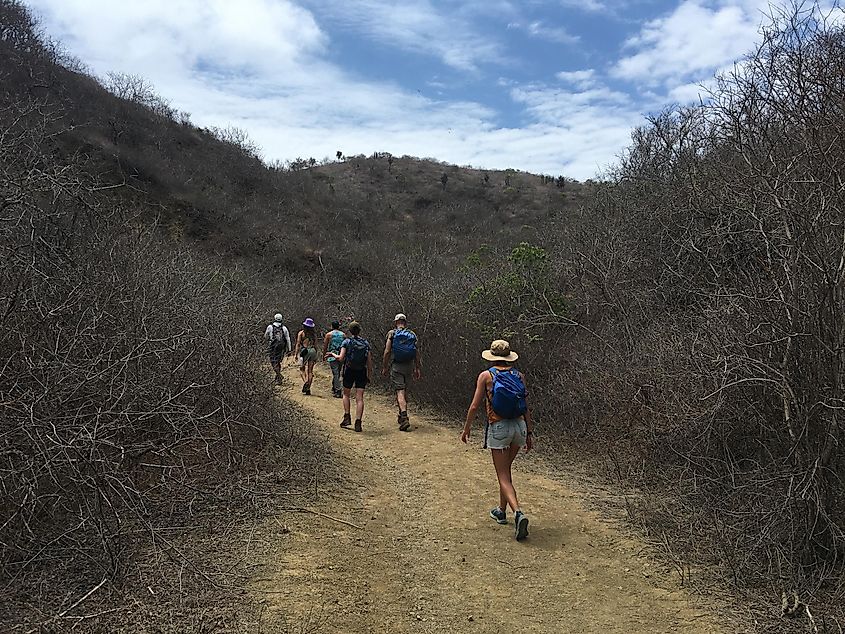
326, 343
477, 399
299, 337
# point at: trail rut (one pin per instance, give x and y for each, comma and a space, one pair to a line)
427, 558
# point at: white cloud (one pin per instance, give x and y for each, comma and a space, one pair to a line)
584, 5
688, 93
250, 36
267, 70
558, 106
541, 30
419, 26
591, 125
579, 78
265, 66
690, 42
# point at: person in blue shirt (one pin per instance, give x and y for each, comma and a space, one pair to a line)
332, 343
357, 370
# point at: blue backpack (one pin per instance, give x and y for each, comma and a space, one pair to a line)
404, 345
508, 394
357, 352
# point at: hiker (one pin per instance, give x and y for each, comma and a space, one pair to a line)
332, 343
278, 344
402, 360
306, 353
357, 369
508, 426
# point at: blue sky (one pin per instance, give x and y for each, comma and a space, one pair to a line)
548, 86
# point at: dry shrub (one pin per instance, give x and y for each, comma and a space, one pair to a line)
134, 423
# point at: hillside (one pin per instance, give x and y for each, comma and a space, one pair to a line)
682, 324
209, 186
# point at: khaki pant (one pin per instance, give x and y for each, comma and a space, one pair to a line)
401, 375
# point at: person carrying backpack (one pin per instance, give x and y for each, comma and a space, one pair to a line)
357, 369
306, 353
402, 360
332, 343
278, 344
508, 427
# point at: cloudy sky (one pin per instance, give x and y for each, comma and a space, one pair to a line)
550, 86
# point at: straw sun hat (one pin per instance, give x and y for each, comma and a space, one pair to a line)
500, 350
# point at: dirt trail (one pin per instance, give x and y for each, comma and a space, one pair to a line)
429, 559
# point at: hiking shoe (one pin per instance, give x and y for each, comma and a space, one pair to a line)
358, 425
499, 515
347, 421
404, 423
304, 388
520, 526
278, 380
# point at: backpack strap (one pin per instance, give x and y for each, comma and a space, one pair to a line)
489, 394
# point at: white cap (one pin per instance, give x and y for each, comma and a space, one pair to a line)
278, 317
400, 317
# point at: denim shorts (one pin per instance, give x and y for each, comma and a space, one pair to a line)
505, 433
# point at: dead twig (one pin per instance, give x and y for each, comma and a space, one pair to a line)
328, 517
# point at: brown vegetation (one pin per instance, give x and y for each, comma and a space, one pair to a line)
134, 430
682, 321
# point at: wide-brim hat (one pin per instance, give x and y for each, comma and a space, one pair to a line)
309, 323
500, 350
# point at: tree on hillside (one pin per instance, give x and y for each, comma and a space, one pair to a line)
17, 27
137, 89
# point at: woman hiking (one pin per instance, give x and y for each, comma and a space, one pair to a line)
306, 353
357, 365
508, 427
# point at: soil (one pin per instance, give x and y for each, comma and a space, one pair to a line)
424, 555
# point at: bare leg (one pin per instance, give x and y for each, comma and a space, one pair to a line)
310, 372
346, 400
359, 403
402, 400
302, 373
502, 460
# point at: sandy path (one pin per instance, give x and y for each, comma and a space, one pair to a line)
429, 559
